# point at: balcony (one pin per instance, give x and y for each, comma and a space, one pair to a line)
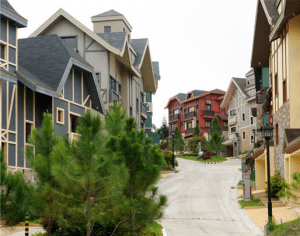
208, 113
73, 136
189, 115
113, 96
174, 117
144, 110
232, 120
188, 131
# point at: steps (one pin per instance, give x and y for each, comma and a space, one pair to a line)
264, 199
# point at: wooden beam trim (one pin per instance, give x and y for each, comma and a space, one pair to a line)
86, 99
82, 88
73, 84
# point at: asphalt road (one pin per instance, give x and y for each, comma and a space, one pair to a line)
201, 201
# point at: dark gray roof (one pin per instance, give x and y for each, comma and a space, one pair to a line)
218, 90
292, 134
198, 92
110, 13
139, 46
223, 116
155, 65
116, 39
15, 16
181, 96
44, 59
241, 83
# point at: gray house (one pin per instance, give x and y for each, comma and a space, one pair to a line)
44, 75
240, 99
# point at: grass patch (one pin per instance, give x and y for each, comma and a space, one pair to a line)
240, 183
288, 228
255, 202
152, 229
195, 158
36, 221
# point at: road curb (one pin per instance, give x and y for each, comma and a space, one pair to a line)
164, 232
212, 163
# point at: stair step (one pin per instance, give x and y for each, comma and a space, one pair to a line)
265, 199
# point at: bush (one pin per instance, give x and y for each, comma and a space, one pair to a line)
206, 155
275, 184
168, 157
193, 143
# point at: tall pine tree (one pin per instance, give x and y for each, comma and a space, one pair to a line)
115, 119
197, 131
215, 142
179, 142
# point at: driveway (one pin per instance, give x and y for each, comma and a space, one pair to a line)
202, 202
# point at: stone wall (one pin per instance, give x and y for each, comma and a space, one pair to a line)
259, 121
27, 174
245, 144
282, 118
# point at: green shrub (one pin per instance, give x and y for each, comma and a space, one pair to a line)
193, 143
275, 184
168, 157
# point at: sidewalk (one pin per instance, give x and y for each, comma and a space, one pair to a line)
9, 232
259, 215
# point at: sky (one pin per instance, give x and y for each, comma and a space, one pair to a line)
199, 44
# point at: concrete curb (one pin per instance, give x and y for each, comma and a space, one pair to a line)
164, 232
212, 162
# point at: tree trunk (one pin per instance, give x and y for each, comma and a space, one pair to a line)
88, 228
132, 215
50, 217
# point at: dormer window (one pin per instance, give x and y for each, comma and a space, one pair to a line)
71, 41
107, 29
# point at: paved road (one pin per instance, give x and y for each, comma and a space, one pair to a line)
202, 202
31, 232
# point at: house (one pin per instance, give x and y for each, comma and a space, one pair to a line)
239, 100
123, 66
48, 76
276, 46
196, 107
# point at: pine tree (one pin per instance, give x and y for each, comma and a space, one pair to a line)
115, 119
90, 182
216, 126
143, 161
197, 131
215, 142
179, 142
41, 160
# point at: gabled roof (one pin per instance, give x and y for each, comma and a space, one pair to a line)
238, 83
198, 92
110, 13
8, 11
45, 63
218, 90
140, 46
181, 96
155, 65
117, 39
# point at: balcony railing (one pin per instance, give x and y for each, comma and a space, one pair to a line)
174, 117
188, 131
208, 113
144, 108
113, 96
189, 115
232, 120
73, 136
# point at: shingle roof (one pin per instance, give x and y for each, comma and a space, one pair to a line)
155, 65
181, 96
110, 13
223, 116
218, 90
292, 134
44, 59
139, 45
4, 4
198, 92
116, 39
241, 83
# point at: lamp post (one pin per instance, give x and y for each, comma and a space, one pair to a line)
253, 130
173, 159
267, 132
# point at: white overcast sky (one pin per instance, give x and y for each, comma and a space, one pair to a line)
200, 44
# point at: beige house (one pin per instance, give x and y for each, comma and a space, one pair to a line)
123, 66
276, 45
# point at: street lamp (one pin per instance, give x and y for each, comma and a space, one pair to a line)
267, 132
173, 158
253, 130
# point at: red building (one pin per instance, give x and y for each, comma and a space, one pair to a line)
196, 107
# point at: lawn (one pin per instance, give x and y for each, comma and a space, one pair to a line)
255, 202
195, 158
288, 228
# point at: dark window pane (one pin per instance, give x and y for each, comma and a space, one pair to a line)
28, 131
107, 29
74, 123
2, 53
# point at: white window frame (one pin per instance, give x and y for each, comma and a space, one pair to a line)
62, 116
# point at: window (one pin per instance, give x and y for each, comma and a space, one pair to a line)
181, 124
137, 105
251, 120
189, 125
176, 111
243, 116
2, 51
233, 130
71, 41
276, 84
276, 134
207, 123
284, 91
191, 109
207, 107
232, 112
130, 111
74, 122
28, 128
107, 29
120, 89
113, 84
4, 149
60, 116
225, 123
98, 76
170, 112
196, 106
244, 135
252, 139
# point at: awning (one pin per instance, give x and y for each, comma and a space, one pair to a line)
228, 142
